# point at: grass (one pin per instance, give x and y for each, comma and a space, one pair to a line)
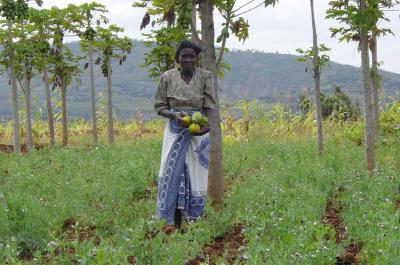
278, 191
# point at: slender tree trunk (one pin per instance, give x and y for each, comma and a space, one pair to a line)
64, 113
50, 118
317, 82
109, 104
367, 89
92, 94
215, 174
14, 91
375, 83
27, 93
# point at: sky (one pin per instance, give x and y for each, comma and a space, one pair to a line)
282, 28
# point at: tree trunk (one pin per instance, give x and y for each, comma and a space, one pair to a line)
367, 89
14, 91
27, 94
215, 174
375, 83
50, 118
317, 82
109, 104
92, 94
64, 113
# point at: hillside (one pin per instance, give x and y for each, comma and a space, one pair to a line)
268, 77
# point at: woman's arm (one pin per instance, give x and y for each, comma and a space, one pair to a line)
175, 116
165, 112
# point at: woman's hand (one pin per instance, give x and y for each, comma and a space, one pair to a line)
203, 130
178, 118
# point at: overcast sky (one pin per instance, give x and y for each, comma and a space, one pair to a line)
282, 28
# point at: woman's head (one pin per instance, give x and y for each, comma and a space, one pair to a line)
186, 55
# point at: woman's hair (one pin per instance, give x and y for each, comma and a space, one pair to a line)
186, 44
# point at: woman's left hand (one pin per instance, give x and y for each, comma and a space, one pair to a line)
203, 130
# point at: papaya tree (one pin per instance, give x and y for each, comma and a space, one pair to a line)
15, 14
24, 67
9, 10
111, 47
359, 18
26, 54
64, 65
39, 19
376, 32
354, 14
375, 9
92, 14
318, 60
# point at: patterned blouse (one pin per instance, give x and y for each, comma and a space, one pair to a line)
173, 91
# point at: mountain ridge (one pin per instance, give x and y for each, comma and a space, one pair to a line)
267, 77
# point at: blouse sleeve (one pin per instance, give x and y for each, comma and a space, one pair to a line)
161, 100
209, 92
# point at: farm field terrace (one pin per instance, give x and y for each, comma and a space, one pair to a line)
83, 205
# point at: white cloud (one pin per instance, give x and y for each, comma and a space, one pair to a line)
287, 26
282, 28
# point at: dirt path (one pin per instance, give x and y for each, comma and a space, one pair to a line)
72, 230
332, 217
228, 244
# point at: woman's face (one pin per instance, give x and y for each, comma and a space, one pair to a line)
187, 59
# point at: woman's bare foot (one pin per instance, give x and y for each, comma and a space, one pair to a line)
192, 221
168, 229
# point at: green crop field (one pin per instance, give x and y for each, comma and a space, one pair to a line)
82, 205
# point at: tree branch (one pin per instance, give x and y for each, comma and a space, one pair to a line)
222, 49
262, 3
243, 6
221, 53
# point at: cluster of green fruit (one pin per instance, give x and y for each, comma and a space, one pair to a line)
195, 121
89, 34
14, 9
9, 9
22, 8
104, 69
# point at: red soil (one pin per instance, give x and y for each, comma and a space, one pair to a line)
228, 243
8, 148
332, 217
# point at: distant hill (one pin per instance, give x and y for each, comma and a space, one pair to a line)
273, 77
268, 77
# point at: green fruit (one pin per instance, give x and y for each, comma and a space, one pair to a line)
203, 121
196, 117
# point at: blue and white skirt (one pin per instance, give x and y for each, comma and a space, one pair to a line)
183, 174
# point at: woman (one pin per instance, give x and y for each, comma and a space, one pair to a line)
182, 183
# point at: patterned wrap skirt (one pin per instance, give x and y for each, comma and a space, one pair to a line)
183, 176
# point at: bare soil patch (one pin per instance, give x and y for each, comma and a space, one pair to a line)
227, 244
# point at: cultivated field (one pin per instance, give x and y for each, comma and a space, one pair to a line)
284, 204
